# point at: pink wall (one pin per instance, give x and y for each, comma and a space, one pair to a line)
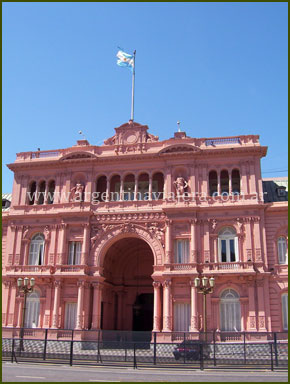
256, 276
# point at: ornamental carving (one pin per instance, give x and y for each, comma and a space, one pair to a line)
156, 284
180, 185
131, 137
156, 230
76, 193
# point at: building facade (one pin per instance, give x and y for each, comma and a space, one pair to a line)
115, 235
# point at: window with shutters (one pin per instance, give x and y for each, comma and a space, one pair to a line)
36, 250
282, 250
70, 315
230, 311
74, 253
181, 251
32, 310
228, 245
285, 311
181, 317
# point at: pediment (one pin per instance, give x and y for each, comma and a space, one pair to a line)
77, 156
179, 148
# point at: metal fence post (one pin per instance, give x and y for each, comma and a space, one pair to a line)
45, 345
12, 352
272, 363
245, 349
276, 349
214, 358
201, 357
71, 352
135, 362
154, 348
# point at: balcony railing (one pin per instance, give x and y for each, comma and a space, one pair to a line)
222, 141
231, 266
29, 269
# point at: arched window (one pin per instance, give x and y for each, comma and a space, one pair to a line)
129, 186
282, 250
32, 310
157, 186
41, 192
228, 245
51, 189
224, 182
236, 187
230, 311
115, 185
285, 311
101, 188
213, 183
36, 250
31, 193
143, 187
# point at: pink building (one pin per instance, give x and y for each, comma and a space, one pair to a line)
115, 235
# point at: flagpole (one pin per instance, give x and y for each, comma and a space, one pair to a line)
133, 87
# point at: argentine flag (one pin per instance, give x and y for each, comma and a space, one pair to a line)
125, 60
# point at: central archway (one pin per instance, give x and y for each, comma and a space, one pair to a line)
127, 300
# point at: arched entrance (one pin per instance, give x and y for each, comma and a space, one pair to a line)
127, 299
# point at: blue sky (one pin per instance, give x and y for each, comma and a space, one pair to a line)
219, 68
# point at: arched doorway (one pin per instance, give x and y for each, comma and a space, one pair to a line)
127, 298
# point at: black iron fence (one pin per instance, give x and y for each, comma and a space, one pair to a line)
195, 350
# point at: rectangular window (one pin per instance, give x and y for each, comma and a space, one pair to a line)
181, 251
232, 250
75, 250
181, 317
285, 311
70, 315
224, 251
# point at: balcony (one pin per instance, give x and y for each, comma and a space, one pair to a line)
70, 269
29, 269
227, 268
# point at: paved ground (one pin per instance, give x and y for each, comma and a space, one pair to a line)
24, 372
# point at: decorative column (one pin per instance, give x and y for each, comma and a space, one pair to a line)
193, 252
168, 181
192, 182
219, 190
167, 318
52, 246
252, 326
216, 250
96, 319
253, 188
122, 189
168, 242
257, 240
261, 306
120, 309
243, 181
12, 304
230, 182
107, 189
11, 231
25, 251
81, 287
36, 194
86, 244
55, 313
204, 183
206, 241
135, 187
150, 187
62, 243
20, 312
47, 305
193, 308
157, 307
248, 240
23, 190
